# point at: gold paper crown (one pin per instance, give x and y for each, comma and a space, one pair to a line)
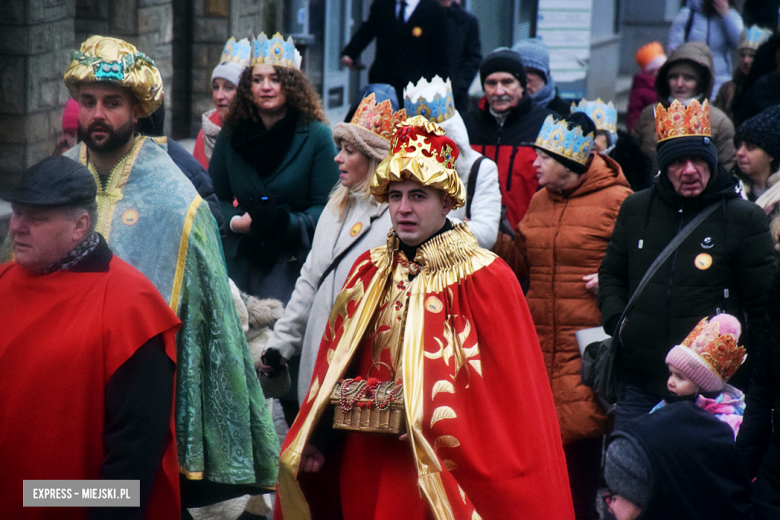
718, 349
377, 118
115, 61
556, 137
420, 152
275, 51
679, 121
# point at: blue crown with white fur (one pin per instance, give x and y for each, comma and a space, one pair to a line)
556, 137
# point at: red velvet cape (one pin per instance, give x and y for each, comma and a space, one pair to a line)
493, 431
63, 336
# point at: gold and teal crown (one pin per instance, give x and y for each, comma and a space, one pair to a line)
432, 100
275, 51
603, 115
239, 52
556, 137
753, 37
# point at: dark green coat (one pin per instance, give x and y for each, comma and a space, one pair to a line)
736, 238
302, 182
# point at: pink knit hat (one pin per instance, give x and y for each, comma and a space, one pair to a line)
709, 356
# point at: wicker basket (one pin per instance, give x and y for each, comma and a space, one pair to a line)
369, 405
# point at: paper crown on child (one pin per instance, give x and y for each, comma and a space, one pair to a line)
604, 115
753, 37
112, 60
650, 57
371, 128
556, 137
420, 151
682, 121
709, 356
433, 100
275, 51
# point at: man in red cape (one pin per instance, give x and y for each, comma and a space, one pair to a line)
87, 356
446, 319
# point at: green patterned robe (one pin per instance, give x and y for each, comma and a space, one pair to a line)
153, 218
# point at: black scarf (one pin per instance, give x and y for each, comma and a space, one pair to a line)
262, 148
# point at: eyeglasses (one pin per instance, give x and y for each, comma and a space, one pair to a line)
608, 497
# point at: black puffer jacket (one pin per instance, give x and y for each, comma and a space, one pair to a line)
733, 251
696, 472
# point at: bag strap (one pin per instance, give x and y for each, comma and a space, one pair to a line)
664, 255
336, 261
472, 185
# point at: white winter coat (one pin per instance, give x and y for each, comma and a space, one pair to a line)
300, 329
720, 34
486, 206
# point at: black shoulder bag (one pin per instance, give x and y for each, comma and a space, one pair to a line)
599, 370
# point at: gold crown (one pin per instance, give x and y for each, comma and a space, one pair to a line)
716, 347
377, 118
556, 137
679, 121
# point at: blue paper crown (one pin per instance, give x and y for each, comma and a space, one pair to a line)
604, 115
237, 52
275, 51
556, 137
432, 100
753, 37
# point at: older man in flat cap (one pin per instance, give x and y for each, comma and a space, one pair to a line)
427, 338
88, 355
153, 218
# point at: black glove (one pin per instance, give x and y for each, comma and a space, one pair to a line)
268, 232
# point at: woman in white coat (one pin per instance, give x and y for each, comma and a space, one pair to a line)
482, 210
351, 223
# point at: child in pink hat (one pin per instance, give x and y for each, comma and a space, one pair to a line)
701, 366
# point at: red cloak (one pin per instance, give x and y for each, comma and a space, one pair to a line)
63, 336
483, 433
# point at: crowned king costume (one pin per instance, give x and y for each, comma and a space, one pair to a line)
451, 326
152, 217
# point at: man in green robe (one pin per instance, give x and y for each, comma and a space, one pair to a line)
153, 218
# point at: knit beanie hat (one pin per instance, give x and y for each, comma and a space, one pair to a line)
534, 55
650, 57
70, 116
230, 71
628, 472
763, 130
709, 356
503, 59
689, 146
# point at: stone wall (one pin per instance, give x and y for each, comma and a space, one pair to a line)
36, 37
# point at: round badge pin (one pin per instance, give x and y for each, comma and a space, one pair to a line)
129, 217
417, 32
434, 305
702, 261
355, 229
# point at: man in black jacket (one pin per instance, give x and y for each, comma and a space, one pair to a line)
724, 265
465, 51
412, 42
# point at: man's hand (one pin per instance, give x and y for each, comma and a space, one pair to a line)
721, 7
312, 459
241, 224
347, 62
592, 283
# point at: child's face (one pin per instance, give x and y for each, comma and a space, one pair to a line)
678, 384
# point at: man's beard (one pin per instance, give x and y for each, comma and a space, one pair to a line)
116, 138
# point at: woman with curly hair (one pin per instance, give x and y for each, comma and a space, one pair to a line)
273, 169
